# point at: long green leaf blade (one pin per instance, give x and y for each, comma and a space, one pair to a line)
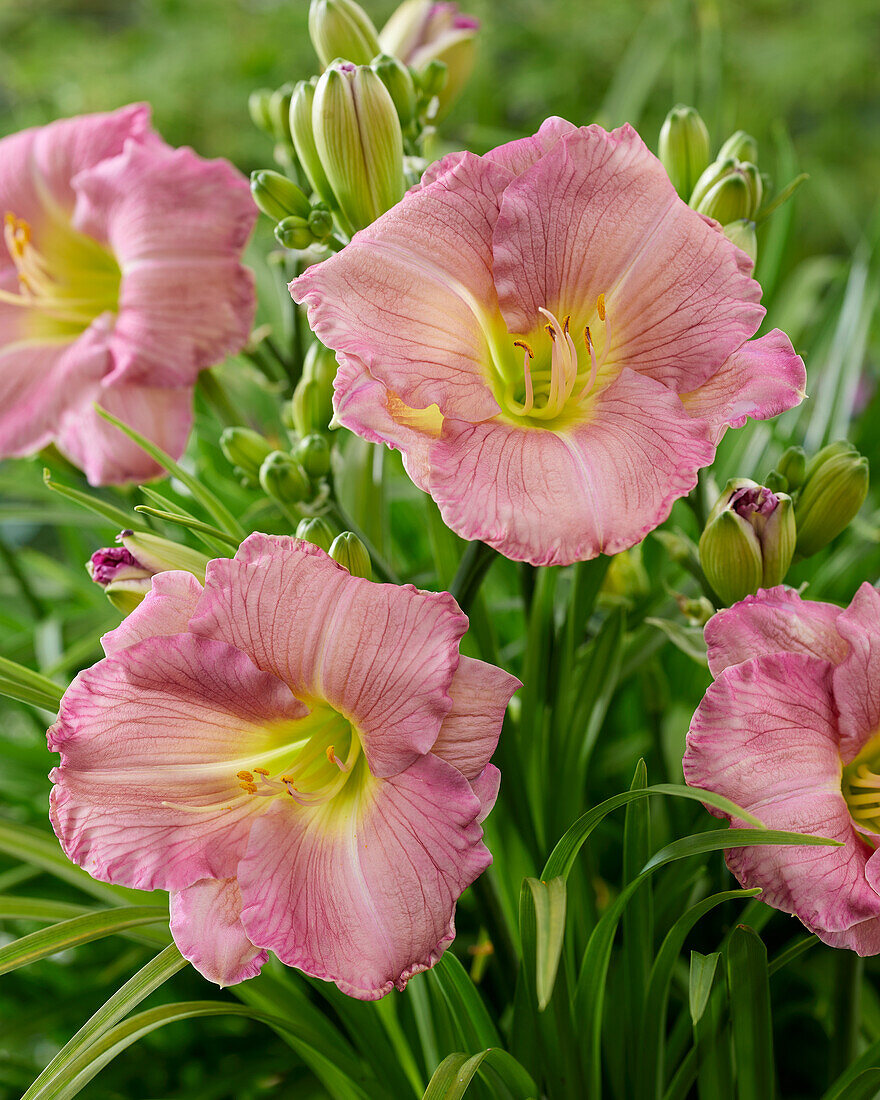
750, 1016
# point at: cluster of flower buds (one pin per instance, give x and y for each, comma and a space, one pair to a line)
749, 540
300, 224
126, 571
345, 548
828, 491
729, 188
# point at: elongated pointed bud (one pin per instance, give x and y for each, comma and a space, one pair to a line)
683, 148
728, 191
282, 477
126, 572
834, 489
793, 467
349, 551
358, 138
258, 108
246, 450
313, 454
740, 146
303, 137
279, 112
317, 531
341, 28
749, 540
742, 233
398, 80
277, 196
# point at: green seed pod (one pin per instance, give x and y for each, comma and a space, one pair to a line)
341, 28
348, 550
683, 148
313, 454
245, 449
740, 146
283, 478
834, 489
316, 531
277, 196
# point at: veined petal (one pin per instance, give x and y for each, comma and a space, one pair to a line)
107, 456
206, 926
382, 655
761, 379
365, 896
598, 215
774, 620
554, 497
151, 740
469, 734
412, 297
519, 155
486, 786
857, 677
165, 610
766, 737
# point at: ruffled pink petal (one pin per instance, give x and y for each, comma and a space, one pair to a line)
857, 677
598, 215
480, 694
774, 620
761, 379
146, 794
383, 655
486, 786
107, 456
369, 905
361, 403
412, 296
206, 926
765, 736
165, 610
863, 938
518, 156
552, 498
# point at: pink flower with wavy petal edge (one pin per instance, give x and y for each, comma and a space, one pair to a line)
552, 338
120, 280
300, 756
790, 730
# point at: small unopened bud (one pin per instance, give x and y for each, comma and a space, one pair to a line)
742, 234
258, 108
126, 572
313, 454
320, 222
398, 80
294, 233
277, 196
775, 482
341, 28
793, 467
348, 550
728, 191
834, 489
358, 138
311, 407
283, 478
683, 148
279, 112
740, 146
304, 140
749, 540
246, 450
316, 531
433, 77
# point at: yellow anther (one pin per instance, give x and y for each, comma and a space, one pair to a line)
565, 321
548, 328
600, 307
330, 753
245, 775
522, 344
588, 339
261, 771
286, 779
249, 788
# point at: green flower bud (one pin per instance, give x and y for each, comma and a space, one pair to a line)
126, 572
304, 140
749, 540
740, 146
433, 78
283, 478
834, 489
279, 112
683, 148
309, 407
728, 191
358, 138
321, 222
398, 80
294, 233
742, 234
246, 450
258, 108
341, 28
277, 196
793, 467
316, 531
349, 551
313, 454
775, 482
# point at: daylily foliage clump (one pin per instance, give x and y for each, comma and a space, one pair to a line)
509, 461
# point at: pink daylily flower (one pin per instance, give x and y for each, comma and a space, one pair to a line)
120, 279
552, 338
299, 756
789, 730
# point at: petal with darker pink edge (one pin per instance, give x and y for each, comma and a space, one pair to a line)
383, 655
370, 905
147, 793
166, 609
857, 677
206, 926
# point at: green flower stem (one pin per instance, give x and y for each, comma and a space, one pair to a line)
474, 565
845, 1011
